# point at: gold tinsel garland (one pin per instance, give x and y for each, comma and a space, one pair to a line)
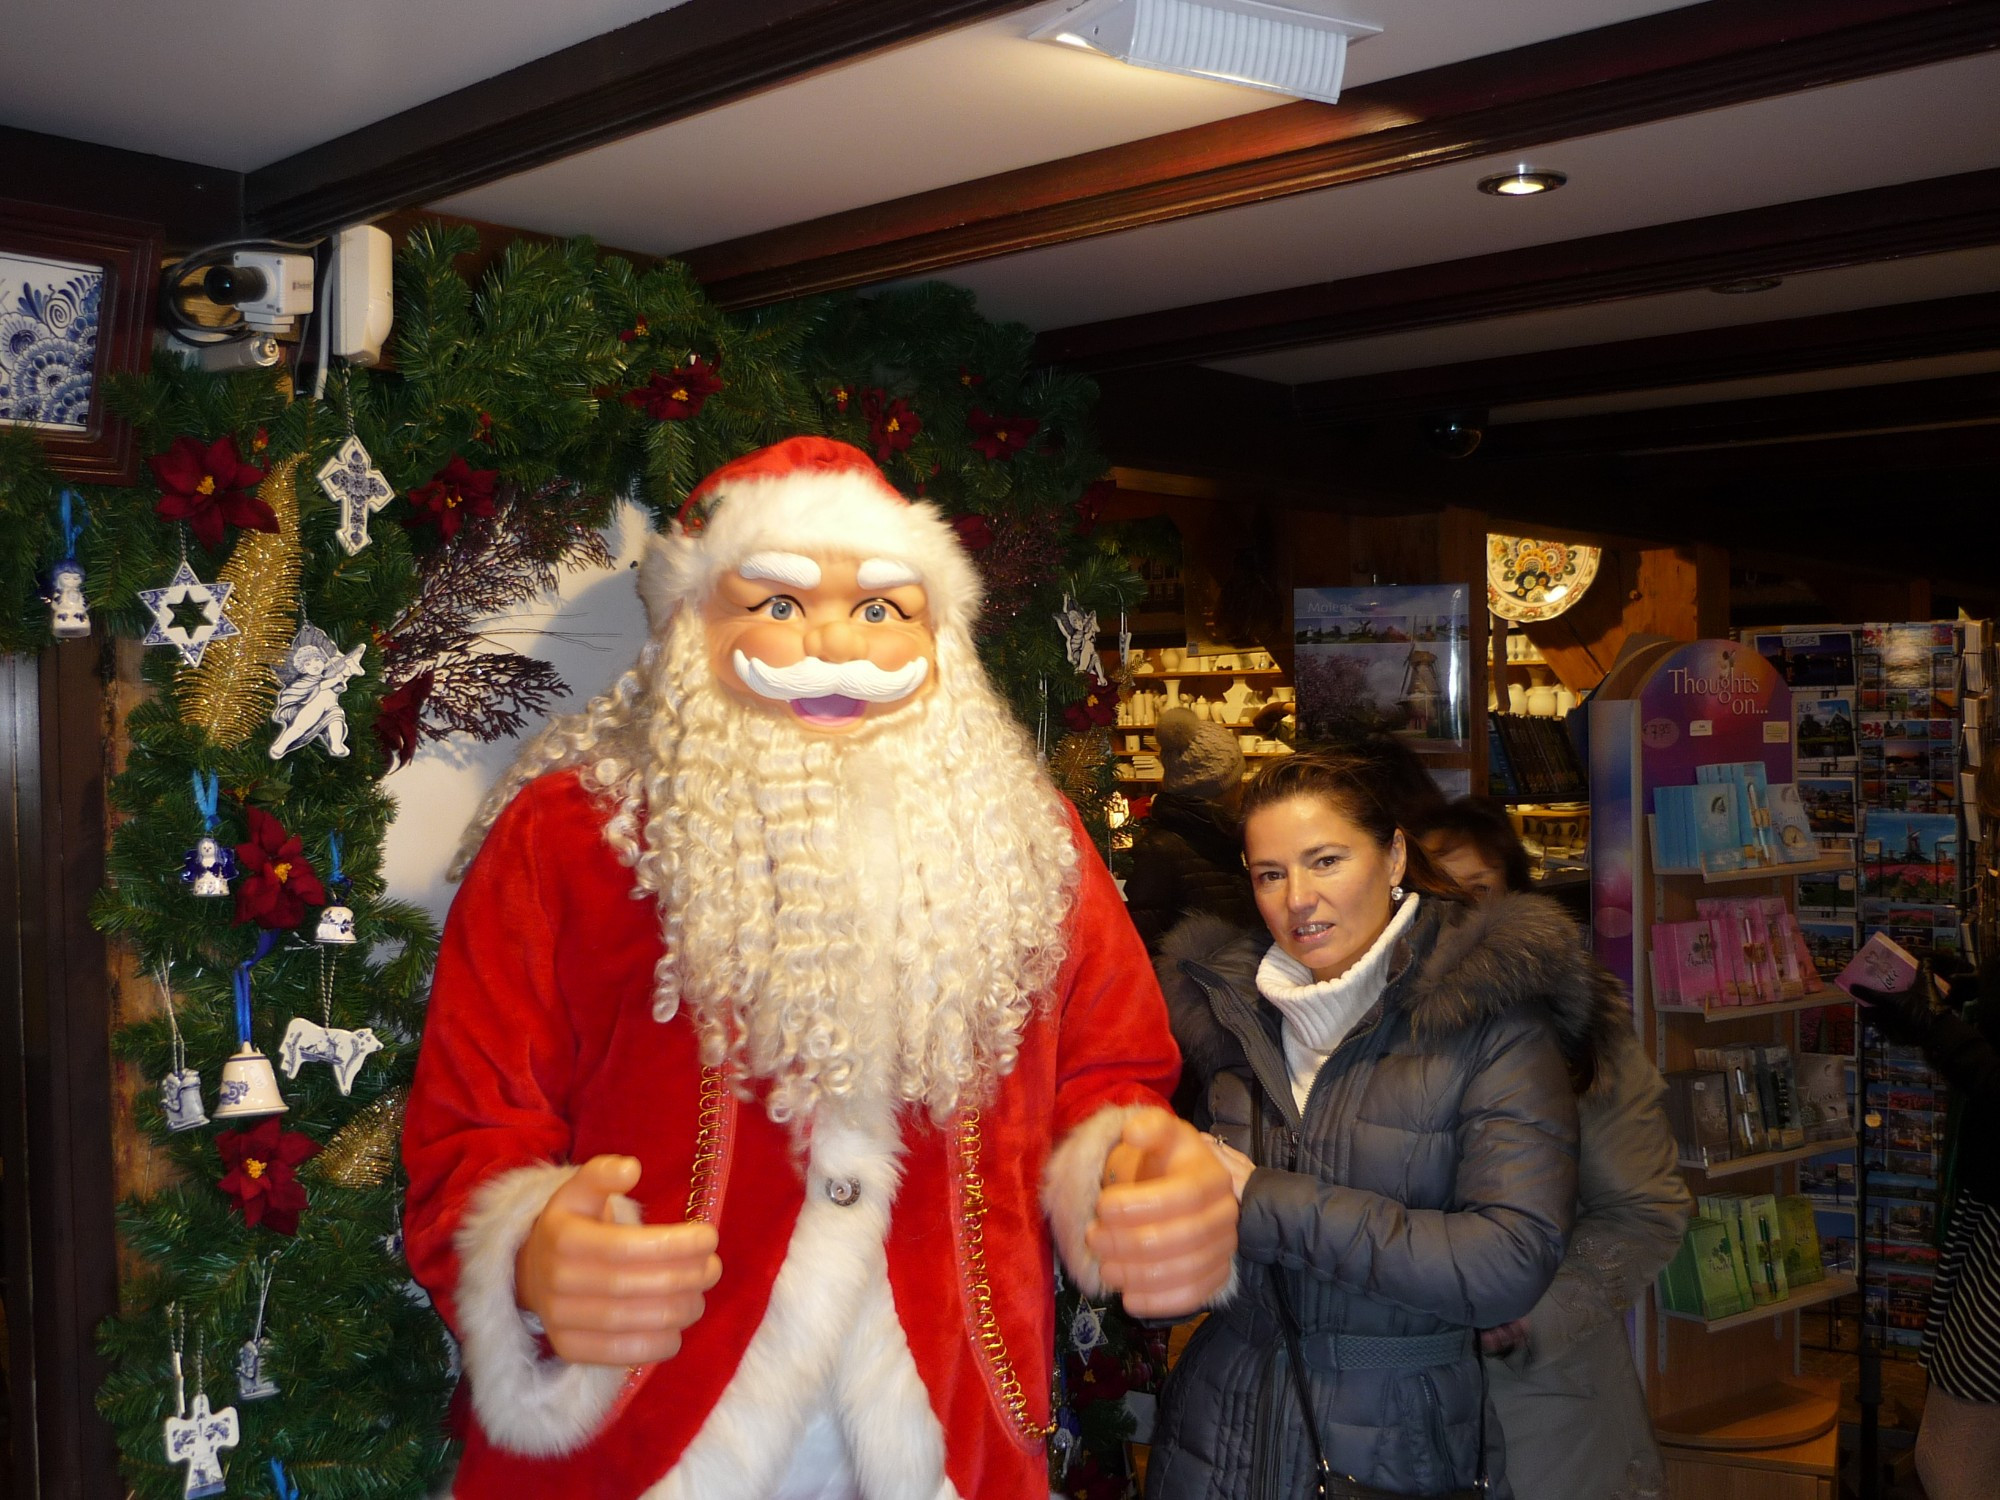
230, 694
362, 1153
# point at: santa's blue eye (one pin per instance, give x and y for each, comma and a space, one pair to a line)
875, 613
780, 608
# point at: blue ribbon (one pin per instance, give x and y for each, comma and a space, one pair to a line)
334, 876
207, 796
265, 943
72, 529
281, 1483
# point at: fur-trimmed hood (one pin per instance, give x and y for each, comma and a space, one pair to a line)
1470, 962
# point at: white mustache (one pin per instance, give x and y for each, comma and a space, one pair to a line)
813, 678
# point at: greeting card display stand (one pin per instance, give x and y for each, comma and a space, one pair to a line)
1733, 1414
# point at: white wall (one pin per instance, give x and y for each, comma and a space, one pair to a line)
590, 632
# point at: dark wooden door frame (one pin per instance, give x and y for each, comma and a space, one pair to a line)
56, 1099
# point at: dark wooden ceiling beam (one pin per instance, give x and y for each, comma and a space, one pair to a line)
1783, 346
1903, 407
1815, 234
193, 205
1695, 57
678, 63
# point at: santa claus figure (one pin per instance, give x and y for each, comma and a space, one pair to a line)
784, 1016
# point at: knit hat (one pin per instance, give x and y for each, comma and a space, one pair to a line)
1200, 759
806, 494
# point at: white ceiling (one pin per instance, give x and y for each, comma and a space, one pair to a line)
1922, 123
1879, 283
970, 103
239, 83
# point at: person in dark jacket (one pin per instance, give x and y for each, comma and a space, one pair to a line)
1572, 1411
1187, 856
1958, 1443
1388, 1073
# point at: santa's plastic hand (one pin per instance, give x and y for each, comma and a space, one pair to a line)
609, 1293
1165, 1232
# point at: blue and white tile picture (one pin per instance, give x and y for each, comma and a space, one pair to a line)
48, 341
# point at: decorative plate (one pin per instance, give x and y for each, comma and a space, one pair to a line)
1535, 580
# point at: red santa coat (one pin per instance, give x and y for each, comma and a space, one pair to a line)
541, 1050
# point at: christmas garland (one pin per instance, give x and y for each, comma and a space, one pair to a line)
317, 571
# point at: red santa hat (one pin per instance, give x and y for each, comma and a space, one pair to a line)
810, 495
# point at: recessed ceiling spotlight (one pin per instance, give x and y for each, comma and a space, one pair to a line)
1297, 48
1746, 286
1522, 183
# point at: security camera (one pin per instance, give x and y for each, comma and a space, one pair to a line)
1454, 434
268, 287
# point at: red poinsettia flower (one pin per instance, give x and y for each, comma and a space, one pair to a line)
210, 488
485, 431
396, 724
891, 423
263, 1178
969, 380
637, 331
840, 395
1090, 505
1095, 710
975, 532
1101, 1377
999, 437
679, 393
260, 440
276, 884
456, 491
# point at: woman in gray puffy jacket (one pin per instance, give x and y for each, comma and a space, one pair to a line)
1392, 1079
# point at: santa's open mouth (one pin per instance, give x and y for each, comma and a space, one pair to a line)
833, 709
827, 694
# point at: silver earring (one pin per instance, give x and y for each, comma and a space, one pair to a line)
1395, 893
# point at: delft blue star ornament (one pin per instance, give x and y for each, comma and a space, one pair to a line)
353, 483
188, 614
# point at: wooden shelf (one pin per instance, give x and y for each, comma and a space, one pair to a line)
1767, 872
1779, 1415
1737, 1165
1161, 675
1826, 996
1820, 1291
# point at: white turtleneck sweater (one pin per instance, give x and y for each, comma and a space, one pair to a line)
1319, 1015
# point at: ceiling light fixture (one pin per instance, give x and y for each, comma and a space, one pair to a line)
1747, 285
1295, 49
1521, 183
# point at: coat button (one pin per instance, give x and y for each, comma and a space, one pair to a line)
844, 1191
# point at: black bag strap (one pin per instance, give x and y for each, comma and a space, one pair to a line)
1289, 1325
1322, 1474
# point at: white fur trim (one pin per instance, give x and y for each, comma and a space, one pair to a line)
1070, 1184
527, 1403
830, 1328
847, 514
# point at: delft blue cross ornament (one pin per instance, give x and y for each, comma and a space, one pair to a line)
197, 1440
353, 483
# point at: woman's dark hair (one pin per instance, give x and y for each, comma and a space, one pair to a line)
1362, 785
1483, 825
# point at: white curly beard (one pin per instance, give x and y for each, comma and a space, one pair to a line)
861, 916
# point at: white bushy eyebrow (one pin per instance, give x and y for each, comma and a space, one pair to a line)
884, 573
789, 568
